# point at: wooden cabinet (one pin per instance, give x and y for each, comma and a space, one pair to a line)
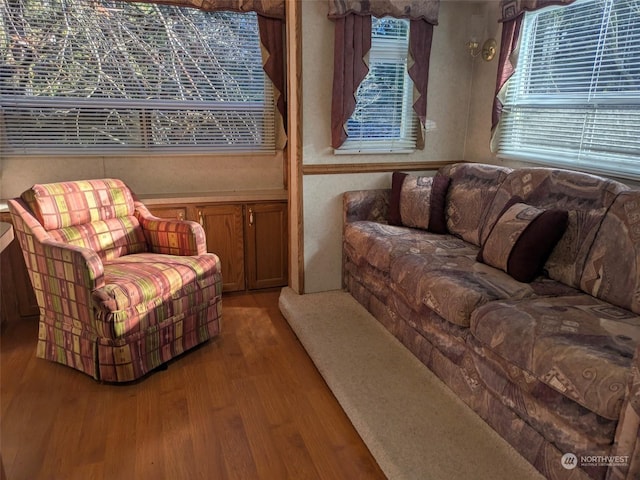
169, 212
266, 245
17, 299
249, 237
223, 227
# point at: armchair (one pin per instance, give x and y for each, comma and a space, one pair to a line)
120, 291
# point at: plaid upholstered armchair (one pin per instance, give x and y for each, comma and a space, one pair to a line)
120, 291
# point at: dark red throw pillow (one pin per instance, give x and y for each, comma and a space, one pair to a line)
397, 179
536, 243
437, 215
522, 239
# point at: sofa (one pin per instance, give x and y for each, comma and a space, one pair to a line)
520, 289
120, 292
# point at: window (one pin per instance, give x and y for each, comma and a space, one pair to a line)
384, 120
574, 100
81, 77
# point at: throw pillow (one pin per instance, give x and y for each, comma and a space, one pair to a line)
522, 239
397, 179
419, 202
437, 217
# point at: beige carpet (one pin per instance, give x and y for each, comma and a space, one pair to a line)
415, 427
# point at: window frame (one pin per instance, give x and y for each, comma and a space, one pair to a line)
519, 109
395, 52
163, 124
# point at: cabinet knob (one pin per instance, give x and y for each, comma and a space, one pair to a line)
200, 218
250, 216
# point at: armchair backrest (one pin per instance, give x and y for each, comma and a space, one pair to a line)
94, 214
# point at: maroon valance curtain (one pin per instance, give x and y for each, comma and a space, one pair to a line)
352, 20
265, 8
512, 15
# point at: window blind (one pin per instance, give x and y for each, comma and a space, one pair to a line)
574, 100
384, 120
111, 77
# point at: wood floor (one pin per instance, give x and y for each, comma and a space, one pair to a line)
247, 405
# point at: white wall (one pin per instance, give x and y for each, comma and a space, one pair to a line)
148, 175
461, 112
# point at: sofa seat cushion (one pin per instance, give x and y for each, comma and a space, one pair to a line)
577, 345
558, 418
378, 244
146, 289
454, 285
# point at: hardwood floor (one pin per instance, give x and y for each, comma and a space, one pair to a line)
247, 405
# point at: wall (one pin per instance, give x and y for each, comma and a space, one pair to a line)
149, 175
460, 111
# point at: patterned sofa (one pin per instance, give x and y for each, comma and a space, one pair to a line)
120, 291
552, 363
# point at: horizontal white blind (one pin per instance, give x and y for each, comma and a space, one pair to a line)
113, 77
574, 100
384, 120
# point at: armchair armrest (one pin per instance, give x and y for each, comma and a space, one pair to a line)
171, 237
78, 265
65, 264
372, 205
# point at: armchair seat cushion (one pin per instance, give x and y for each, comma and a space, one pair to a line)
143, 290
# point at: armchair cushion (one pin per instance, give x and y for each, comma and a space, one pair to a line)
65, 204
110, 239
95, 214
145, 289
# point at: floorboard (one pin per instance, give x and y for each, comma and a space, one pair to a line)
249, 404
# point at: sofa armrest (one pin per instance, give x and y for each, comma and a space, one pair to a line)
371, 205
171, 237
627, 441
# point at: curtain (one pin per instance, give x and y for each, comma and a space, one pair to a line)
265, 8
353, 41
512, 15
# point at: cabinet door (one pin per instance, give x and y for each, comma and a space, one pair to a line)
266, 253
16, 292
223, 229
163, 211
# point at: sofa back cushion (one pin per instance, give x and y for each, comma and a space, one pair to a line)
585, 197
471, 191
612, 269
96, 214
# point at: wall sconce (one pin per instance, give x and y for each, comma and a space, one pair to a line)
488, 49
